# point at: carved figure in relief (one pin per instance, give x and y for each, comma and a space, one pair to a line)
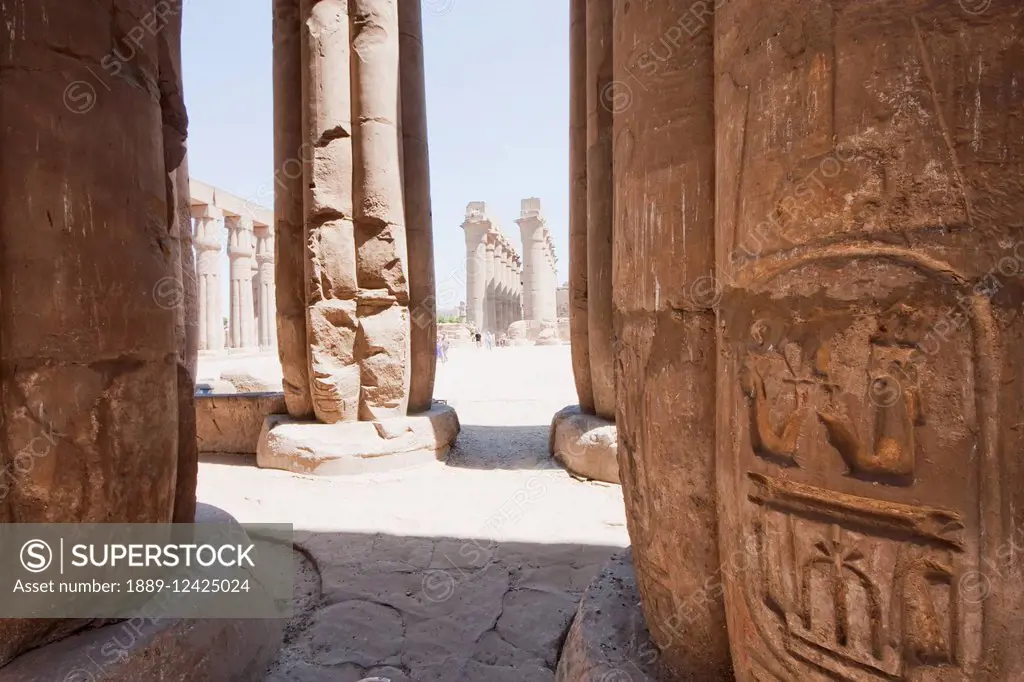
889, 455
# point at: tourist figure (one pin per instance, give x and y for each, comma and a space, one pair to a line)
439, 350
489, 340
446, 345
478, 339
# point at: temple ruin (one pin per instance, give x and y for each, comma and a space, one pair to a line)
794, 293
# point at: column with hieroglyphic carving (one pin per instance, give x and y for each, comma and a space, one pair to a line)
868, 375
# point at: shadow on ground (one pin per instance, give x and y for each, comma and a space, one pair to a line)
432, 609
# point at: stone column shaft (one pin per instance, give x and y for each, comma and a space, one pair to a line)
382, 255
418, 223
240, 286
489, 306
599, 190
209, 261
331, 288
291, 153
579, 334
267, 309
476, 281
663, 241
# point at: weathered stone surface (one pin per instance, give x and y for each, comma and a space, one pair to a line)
193, 650
585, 444
519, 626
664, 170
608, 641
356, 447
332, 284
231, 424
868, 368
243, 382
358, 632
92, 355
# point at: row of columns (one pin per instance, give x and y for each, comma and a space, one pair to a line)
251, 298
540, 263
493, 273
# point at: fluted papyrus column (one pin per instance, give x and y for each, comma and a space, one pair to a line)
663, 245
332, 286
240, 287
254, 293
209, 244
476, 227
267, 309
532, 231
291, 153
490, 308
579, 332
599, 193
419, 223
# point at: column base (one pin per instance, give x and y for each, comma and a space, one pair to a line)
585, 445
608, 640
202, 650
349, 448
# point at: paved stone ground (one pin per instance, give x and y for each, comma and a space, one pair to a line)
466, 571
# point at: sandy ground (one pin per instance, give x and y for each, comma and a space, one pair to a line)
468, 570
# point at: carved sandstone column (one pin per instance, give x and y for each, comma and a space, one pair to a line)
268, 311
291, 153
490, 306
599, 191
209, 246
332, 286
361, 165
91, 351
240, 285
532, 229
869, 255
579, 333
476, 227
663, 246
419, 222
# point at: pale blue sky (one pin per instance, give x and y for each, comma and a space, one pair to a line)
497, 91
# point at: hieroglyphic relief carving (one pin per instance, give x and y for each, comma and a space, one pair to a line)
862, 588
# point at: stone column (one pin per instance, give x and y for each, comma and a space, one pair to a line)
532, 229
579, 334
869, 244
476, 227
419, 224
209, 233
330, 262
490, 307
240, 286
91, 355
663, 245
599, 191
267, 308
254, 293
506, 280
291, 153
